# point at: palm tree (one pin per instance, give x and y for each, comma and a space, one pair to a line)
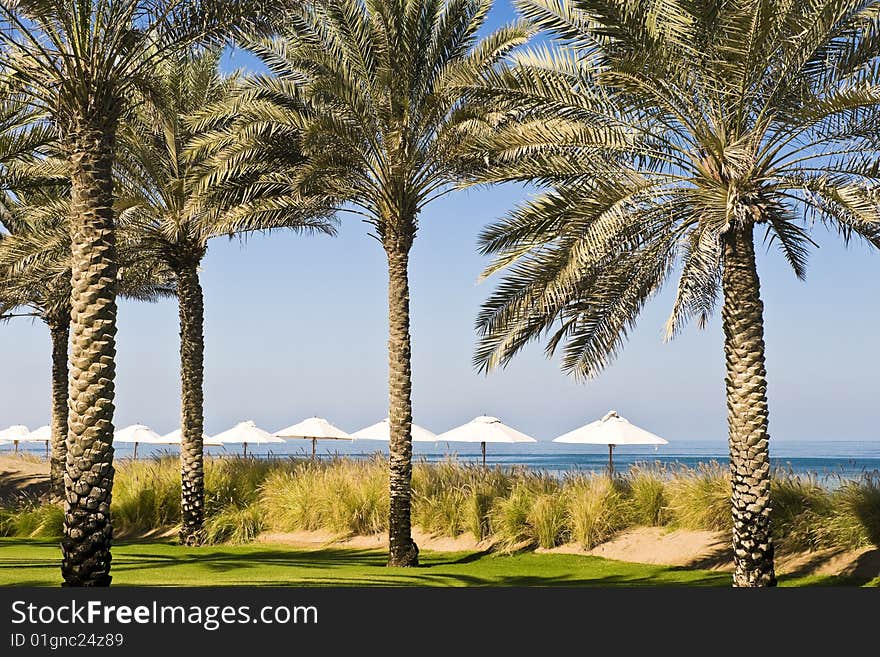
175, 219
25, 169
35, 271
671, 138
370, 91
81, 61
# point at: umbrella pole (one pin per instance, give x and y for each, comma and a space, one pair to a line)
483, 447
135, 451
16, 447
244, 450
47, 450
610, 460
314, 447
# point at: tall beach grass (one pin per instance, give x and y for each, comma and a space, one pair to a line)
513, 508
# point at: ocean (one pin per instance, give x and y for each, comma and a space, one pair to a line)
829, 460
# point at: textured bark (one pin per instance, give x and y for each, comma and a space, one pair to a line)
59, 329
402, 549
743, 323
192, 348
88, 479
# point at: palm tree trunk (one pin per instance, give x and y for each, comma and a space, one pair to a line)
743, 323
402, 549
60, 332
89, 466
192, 348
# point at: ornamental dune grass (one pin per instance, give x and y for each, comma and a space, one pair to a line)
236, 481
800, 507
699, 498
343, 496
646, 488
32, 520
235, 525
450, 498
854, 518
529, 515
146, 496
597, 508
549, 520
513, 508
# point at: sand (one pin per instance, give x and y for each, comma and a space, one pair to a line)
27, 476
425, 541
23, 476
711, 550
662, 546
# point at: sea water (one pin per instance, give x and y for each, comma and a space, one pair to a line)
828, 460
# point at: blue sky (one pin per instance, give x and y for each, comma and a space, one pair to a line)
296, 326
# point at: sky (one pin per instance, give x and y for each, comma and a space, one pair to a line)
296, 326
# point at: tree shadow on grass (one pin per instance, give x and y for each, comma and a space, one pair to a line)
470, 557
344, 567
220, 561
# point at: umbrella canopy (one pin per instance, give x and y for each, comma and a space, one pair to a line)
382, 431
485, 429
137, 434
314, 429
173, 438
40, 435
246, 433
611, 430
14, 434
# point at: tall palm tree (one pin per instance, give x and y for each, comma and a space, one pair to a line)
81, 61
673, 137
370, 91
176, 218
35, 271
25, 169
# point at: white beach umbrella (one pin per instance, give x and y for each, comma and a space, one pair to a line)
611, 430
14, 434
314, 429
173, 438
246, 433
485, 429
41, 435
137, 433
382, 431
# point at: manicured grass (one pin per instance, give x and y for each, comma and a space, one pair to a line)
35, 563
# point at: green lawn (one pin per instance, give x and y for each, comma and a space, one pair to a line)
35, 563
